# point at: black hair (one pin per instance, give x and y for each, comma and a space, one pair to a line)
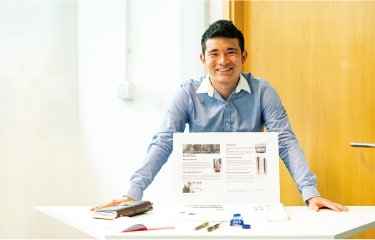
222, 28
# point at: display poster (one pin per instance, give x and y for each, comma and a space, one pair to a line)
226, 168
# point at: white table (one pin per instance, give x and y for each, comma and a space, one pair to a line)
302, 223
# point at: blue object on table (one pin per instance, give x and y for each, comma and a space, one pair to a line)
246, 226
236, 220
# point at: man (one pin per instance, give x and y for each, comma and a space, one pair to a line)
187, 187
217, 165
226, 100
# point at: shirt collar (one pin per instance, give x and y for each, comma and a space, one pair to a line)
206, 86
243, 85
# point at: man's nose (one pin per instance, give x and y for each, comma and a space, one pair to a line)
223, 59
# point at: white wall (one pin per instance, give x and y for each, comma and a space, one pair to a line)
116, 133
65, 136
38, 114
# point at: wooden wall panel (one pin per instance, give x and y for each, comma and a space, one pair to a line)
320, 57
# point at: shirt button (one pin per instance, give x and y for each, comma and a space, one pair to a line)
227, 124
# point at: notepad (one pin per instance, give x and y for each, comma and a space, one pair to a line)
125, 209
128, 224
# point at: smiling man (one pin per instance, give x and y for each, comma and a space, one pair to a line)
226, 100
223, 58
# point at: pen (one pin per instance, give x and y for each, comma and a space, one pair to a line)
213, 227
205, 224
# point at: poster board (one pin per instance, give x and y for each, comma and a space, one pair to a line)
225, 168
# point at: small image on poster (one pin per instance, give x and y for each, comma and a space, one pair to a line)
216, 165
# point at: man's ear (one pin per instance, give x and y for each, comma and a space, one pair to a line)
244, 56
203, 60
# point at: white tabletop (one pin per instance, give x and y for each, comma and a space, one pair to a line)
302, 223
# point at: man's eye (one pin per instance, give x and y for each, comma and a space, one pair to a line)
212, 54
231, 52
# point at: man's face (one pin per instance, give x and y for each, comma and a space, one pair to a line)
223, 60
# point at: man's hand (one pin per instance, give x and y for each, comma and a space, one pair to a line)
315, 203
113, 203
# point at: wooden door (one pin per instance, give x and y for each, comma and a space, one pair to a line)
320, 57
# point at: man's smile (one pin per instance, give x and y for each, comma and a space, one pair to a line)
224, 69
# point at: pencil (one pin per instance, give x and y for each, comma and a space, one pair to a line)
213, 227
205, 224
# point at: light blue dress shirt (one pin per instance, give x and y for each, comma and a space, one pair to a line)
253, 105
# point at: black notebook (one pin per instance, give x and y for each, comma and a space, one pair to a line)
125, 209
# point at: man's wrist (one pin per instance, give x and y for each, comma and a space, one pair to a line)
134, 192
309, 192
